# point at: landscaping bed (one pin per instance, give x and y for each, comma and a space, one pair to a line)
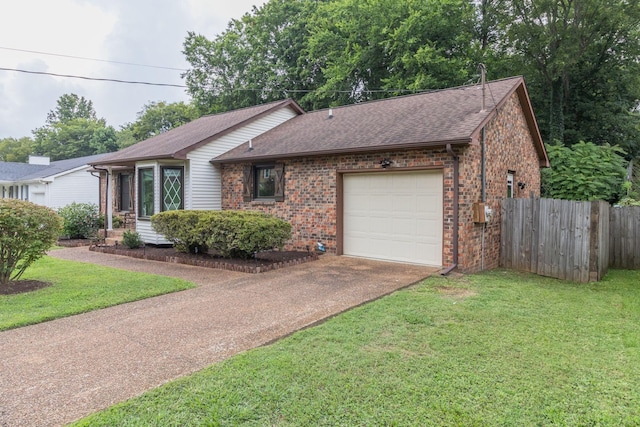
73, 243
264, 261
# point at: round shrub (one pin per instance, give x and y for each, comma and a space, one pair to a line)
131, 239
181, 228
241, 234
81, 220
27, 231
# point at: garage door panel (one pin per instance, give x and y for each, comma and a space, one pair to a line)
394, 216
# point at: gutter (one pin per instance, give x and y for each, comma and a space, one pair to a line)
456, 206
106, 196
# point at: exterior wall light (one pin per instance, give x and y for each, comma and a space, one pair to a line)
385, 163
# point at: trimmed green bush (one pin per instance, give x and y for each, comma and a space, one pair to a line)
240, 234
131, 239
81, 220
180, 227
27, 231
230, 233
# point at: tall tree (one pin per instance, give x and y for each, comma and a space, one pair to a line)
72, 130
257, 59
158, 117
15, 150
582, 57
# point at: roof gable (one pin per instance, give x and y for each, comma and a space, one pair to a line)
177, 142
21, 172
448, 116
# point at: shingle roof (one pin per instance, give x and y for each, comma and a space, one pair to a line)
179, 141
12, 171
433, 118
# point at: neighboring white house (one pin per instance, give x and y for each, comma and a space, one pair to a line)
172, 170
52, 184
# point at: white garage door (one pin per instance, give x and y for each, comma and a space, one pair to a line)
395, 216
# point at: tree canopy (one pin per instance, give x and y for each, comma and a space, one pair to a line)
73, 130
580, 58
158, 117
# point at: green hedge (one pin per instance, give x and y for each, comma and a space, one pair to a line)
230, 233
180, 227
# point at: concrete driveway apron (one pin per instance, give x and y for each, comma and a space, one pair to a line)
59, 371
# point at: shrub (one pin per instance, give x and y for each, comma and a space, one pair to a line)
117, 221
27, 231
81, 220
230, 233
131, 239
243, 233
584, 171
181, 228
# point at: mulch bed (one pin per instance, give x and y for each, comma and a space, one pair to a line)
73, 243
264, 261
22, 286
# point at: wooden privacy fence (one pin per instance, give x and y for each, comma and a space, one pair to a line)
556, 238
624, 243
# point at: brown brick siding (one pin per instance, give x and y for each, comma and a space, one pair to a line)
312, 184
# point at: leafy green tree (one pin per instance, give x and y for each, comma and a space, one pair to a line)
584, 171
27, 231
15, 150
258, 58
581, 60
70, 106
389, 45
72, 130
158, 117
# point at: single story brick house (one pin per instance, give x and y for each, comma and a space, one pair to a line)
415, 178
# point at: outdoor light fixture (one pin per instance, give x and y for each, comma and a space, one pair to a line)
521, 185
385, 163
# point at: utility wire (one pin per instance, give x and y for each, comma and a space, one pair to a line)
92, 59
233, 90
92, 78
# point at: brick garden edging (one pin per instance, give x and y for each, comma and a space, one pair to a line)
243, 268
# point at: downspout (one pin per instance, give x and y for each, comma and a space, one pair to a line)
456, 203
106, 200
484, 193
483, 177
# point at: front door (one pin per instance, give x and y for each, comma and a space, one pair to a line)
125, 192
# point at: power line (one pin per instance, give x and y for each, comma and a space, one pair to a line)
92, 78
233, 90
92, 59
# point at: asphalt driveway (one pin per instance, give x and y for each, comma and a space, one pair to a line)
59, 371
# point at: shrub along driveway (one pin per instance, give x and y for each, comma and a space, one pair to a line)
55, 372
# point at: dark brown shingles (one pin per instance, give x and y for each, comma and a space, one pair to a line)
176, 142
437, 117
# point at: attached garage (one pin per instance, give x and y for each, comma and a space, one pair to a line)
394, 216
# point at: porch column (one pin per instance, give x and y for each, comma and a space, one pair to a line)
109, 200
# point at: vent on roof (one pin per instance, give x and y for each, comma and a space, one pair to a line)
330, 113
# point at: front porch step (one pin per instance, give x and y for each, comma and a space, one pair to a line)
113, 236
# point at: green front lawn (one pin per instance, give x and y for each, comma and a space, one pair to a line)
500, 348
78, 288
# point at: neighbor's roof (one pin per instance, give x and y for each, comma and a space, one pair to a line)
177, 142
436, 118
23, 172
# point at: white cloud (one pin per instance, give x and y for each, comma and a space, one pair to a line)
136, 31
